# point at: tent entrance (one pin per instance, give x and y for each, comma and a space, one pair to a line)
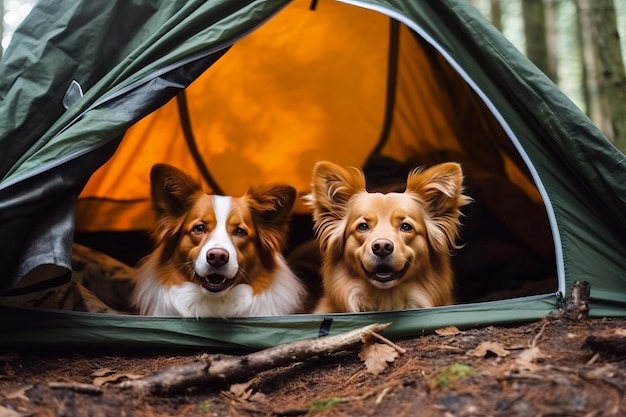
372, 94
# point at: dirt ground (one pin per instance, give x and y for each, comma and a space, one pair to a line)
554, 367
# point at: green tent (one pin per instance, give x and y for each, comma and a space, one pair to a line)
236, 92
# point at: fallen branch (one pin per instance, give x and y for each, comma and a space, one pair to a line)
229, 369
615, 344
77, 387
380, 338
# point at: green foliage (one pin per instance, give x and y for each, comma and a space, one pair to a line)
450, 375
324, 404
204, 407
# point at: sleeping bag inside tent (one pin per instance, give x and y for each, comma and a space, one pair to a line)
246, 93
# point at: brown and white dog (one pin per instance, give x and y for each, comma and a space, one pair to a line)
217, 256
386, 251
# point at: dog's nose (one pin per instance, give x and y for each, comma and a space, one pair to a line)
382, 247
217, 257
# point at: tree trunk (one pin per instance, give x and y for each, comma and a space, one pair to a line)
592, 79
613, 76
535, 32
586, 61
1, 25
604, 66
495, 14
552, 50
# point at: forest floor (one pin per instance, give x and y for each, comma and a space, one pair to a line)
553, 367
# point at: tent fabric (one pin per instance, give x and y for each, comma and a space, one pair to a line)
56, 150
268, 88
86, 330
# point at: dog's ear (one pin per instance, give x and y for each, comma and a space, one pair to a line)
332, 188
440, 187
271, 207
172, 190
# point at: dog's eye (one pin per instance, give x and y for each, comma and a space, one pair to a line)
240, 231
199, 229
405, 227
362, 227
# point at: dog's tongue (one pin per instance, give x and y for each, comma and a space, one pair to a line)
215, 283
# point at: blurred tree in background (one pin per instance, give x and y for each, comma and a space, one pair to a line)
603, 62
535, 32
577, 44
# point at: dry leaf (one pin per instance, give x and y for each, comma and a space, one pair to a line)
259, 398
447, 331
530, 355
485, 347
527, 357
241, 391
7, 412
19, 394
606, 371
521, 367
114, 378
103, 372
376, 356
620, 332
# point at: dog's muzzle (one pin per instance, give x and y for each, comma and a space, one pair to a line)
384, 273
215, 282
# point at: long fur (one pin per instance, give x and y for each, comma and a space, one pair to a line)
183, 275
386, 251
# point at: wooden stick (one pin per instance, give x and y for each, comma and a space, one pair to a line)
230, 369
383, 339
614, 344
577, 304
77, 387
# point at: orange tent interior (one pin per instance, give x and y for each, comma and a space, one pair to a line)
286, 96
